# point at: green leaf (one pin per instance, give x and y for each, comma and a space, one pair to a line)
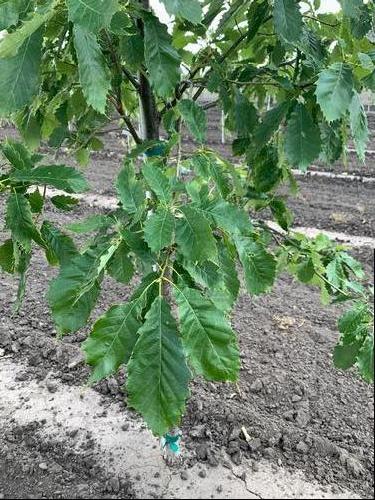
334, 90
228, 217
288, 20
157, 181
73, 294
57, 176
92, 14
245, 115
11, 44
63, 202
302, 142
194, 235
17, 155
195, 118
20, 221
361, 24
259, 265
36, 201
351, 8
331, 141
209, 341
159, 229
365, 360
210, 168
94, 74
20, 75
270, 123
358, 125
227, 265
60, 248
158, 375
345, 356
266, 172
112, 339
191, 11
306, 271
9, 13
162, 60
23, 260
90, 224
120, 267
129, 190
256, 15
7, 262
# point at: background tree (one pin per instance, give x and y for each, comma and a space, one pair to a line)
67, 68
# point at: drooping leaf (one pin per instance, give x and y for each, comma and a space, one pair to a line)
17, 155
120, 267
7, 262
266, 172
209, 341
345, 356
358, 125
191, 11
60, 249
288, 20
245, 115
365, 360
228, 216
302, 142
195, 118
112, 339
20, 222
162, 60
270, 123
23, 259
194, 235
73, 294
210, 168
159, 229
92, 14
259, 265
158, 375
331, 141
334, 90
20, 75
94, 74
57, 176
256, 15
36, 201
129, 190
157, 181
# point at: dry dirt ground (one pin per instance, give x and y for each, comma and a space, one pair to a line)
310, 426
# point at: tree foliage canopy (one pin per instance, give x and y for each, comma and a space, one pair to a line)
288, 80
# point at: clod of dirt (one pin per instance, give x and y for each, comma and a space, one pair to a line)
256, 386
51, 385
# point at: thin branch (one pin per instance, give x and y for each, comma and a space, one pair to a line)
210, 105
237, 82
131, 78
321, 22
120, 110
